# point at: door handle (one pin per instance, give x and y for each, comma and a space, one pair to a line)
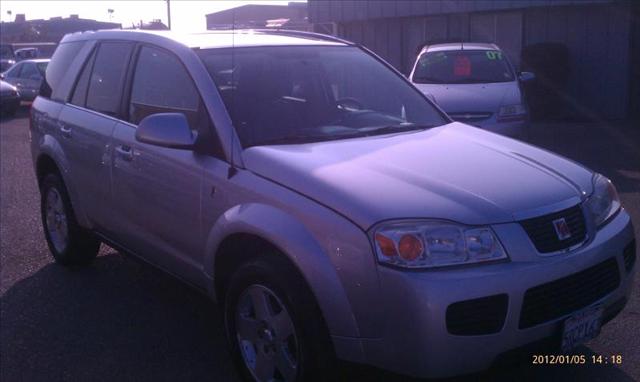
64, 130
125, 152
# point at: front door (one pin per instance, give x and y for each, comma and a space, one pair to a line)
158, 190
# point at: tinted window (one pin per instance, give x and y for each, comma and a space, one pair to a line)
60, 63
162, 85
80, 92
30, 71
42, 67
14, 72
107, 77
279, 95
463, 67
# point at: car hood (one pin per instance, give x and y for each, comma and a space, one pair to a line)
473, 97
453, 172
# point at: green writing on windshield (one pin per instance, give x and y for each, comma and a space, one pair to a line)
494, 55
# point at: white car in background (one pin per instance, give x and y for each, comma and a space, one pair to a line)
475, 84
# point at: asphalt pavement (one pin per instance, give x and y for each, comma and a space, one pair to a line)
120, 319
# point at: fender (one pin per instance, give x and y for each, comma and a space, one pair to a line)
295, 241
49, 146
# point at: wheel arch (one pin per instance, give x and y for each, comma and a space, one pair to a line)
264, 229
51, 158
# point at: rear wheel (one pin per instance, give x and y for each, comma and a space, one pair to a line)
274, 326
68, 242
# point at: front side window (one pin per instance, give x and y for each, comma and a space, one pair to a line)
14, 72
463, 67
162, 85
107, 77
297, 94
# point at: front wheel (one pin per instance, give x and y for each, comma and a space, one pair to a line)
68, 242
274, 326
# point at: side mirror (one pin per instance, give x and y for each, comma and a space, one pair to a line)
169, 130
526, 76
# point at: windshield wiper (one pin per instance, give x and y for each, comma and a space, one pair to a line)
427, 80
363, 132
399, 128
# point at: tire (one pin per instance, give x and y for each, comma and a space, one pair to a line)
69, 243
298, 349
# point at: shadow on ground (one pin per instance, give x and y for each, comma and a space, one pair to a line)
115, 320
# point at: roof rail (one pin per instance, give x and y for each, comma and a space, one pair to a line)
297, 33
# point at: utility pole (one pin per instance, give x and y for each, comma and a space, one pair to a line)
169, 13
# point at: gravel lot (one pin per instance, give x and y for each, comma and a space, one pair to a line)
123, 320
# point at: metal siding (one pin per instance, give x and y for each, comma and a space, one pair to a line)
349, 9
458, 27
413, 32
577, 44
618, 61
336, 7
436, 28
403, 8
595, 59
374, 9
381, 44
395, 43
362, 10
535, 26
369, 37
380, 8
482, 27
557, 25
388, 9
508, 35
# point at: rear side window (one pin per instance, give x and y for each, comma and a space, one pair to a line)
60, 63
29, 71
107, 77
162, 85
80, 93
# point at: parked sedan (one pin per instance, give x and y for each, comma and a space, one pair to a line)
27, 76
475, 84
9, 98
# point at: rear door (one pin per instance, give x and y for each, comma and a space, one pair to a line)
87, 123
29, 81
157, 190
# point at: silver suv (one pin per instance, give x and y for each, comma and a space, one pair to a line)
324, 201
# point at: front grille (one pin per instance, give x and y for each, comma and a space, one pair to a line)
629, 255
484, 315
543, 234
563, 296
469, 117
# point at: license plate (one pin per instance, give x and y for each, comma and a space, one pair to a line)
581, 327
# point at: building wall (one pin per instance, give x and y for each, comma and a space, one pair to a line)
597, 35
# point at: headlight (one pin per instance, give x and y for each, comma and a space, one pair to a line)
431, 244
512, 110
604, 202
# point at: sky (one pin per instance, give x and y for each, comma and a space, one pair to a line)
186, 15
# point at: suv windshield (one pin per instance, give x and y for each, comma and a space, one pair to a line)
462, 67
297, 94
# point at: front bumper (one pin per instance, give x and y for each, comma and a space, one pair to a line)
415, 339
